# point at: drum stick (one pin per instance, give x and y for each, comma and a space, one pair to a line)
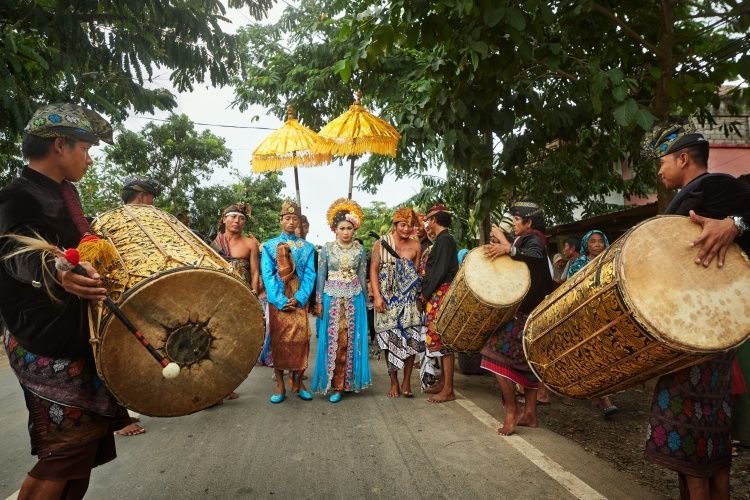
169, 369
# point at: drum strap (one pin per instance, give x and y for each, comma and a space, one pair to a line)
389, 249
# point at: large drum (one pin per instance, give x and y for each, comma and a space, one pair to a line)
640, 309
484, 294
186, 300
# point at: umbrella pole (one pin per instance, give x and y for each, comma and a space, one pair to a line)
296, 185
351, 177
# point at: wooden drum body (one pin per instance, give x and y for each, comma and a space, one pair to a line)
484, 294
185, 299
640, 309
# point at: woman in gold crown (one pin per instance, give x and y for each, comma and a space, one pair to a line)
342, 362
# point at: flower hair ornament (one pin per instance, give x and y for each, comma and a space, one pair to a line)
347, 210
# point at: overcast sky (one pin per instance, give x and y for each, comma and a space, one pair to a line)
319, 186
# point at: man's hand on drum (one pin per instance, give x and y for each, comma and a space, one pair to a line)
86, 287
290, 305
494, 250
715, 239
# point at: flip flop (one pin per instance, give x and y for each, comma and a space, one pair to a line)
407, 394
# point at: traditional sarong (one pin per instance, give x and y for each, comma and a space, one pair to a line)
503, 354
690, 420
399, 328
741, 403
290, 330
430, 368
72, 415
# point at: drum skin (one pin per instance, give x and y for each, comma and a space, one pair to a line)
484, 294
186, 300
641, 309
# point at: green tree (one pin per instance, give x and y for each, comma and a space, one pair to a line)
261, 192
109, 55
173, 153
378, 219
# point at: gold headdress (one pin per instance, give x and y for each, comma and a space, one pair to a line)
290, 208
351, 210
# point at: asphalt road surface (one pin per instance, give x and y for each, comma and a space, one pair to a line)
366, 446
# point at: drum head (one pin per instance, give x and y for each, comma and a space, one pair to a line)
207, 321
497, 282
688, 306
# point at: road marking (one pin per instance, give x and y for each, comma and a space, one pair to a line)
13, 496
564, 477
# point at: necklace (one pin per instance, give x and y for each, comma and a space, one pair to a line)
344, 247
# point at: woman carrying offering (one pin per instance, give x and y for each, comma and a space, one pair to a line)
342, 360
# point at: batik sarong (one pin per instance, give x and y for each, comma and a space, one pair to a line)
503, 354
430, 369
72, 415
290, 330
690, 420
399, 328
266, 356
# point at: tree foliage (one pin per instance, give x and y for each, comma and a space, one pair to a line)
110, 55
544, 98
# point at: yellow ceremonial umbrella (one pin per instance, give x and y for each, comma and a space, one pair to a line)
289, 146
357, 132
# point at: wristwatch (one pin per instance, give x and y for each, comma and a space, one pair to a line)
739, 223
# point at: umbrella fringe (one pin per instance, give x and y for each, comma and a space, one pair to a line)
272, 163
363, 145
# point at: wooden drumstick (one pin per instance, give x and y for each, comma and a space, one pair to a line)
169, 369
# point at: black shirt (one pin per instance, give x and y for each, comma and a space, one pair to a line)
716, 196
530, 250
33, 203
442, 264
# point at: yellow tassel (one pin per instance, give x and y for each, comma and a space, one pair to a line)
100, 253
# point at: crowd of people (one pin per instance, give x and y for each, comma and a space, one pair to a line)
405, 278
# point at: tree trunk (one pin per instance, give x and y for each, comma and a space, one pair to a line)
662, 103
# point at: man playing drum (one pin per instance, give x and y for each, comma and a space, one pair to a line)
395, 288
440, 269
288, 275
71, 413
137, 191
690, 417
503, 353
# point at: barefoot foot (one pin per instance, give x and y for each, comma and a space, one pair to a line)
394, 392
132, 429
442, 397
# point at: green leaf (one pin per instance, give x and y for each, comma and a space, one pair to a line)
645, 119
620, 92
492, 16
344, 69
625, 113
516, 18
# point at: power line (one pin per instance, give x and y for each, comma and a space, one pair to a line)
221, 125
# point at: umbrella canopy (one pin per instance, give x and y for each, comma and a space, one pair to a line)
355, 133
289, 146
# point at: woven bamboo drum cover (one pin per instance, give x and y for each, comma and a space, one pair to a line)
186, 300
639, 310
484, 294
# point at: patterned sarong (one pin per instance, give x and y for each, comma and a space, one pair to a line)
503, 354
399, 328
690, 419
290, 330
430, 369
72, 415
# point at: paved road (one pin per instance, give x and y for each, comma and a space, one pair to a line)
367, 446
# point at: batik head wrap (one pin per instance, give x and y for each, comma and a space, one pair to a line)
436, 209
584, 250
405, 214
141, 185
344, 209
670, 139
235, 208
526, 209
71, 121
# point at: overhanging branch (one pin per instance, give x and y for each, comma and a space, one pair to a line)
595, 7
